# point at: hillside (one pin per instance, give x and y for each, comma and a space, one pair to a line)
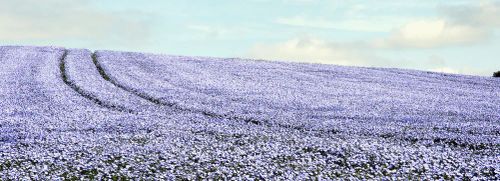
71, 113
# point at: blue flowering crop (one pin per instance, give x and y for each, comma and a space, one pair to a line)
72, 113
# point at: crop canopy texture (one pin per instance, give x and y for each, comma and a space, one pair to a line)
72, 113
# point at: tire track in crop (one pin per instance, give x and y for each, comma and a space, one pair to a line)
260, 122
210, 114
72, 85
106, 77
175, 106
160, 102
246, 119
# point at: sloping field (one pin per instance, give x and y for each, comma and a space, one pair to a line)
69, 114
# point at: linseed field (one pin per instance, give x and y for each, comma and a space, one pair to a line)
73, 113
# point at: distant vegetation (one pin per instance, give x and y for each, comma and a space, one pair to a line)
496, 74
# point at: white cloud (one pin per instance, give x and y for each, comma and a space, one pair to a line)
459, 25
486, 14
437, 63
432, 33
299, 1
314, 50
65, 20
295, 2
301, 21
465, 71
209, 31
363, 24
206, 31
444, 70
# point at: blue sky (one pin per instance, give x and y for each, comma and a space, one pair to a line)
449, 36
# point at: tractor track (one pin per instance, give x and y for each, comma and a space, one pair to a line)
81, 92
174, 106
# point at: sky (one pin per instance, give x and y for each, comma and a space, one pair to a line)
453, 36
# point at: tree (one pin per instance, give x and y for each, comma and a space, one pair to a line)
496, 74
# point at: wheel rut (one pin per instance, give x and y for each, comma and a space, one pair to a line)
81, 92
176, 107
106, 77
